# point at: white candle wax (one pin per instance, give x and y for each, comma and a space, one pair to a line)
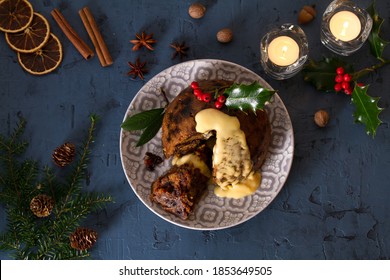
345, 26
283, 51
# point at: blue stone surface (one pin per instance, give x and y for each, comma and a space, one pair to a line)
334, 204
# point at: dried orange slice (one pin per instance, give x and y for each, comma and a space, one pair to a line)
44, 60
15, 15
32, 38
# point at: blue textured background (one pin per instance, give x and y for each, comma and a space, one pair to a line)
335, 202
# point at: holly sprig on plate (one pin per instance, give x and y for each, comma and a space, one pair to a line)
323, 75
242, 97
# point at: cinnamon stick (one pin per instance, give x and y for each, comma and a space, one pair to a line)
96, 37
73, 37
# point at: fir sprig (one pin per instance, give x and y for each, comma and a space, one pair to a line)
30, 237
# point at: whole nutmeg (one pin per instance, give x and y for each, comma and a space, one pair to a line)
196, 10
225, 35
321, 118
307, 14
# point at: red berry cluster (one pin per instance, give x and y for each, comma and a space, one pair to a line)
207, 97
343, 81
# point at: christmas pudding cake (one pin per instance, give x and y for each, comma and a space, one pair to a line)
224, 146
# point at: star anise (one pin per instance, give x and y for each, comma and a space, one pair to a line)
143, 40
180, 50
137, 69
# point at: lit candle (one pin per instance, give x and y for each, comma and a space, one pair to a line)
345, 26
283, 51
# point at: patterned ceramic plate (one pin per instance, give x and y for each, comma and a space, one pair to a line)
212, 212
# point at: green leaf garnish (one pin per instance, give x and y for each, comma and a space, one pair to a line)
367, 110
150, 121
244, 97
247, 97
142, 120
151, 130
377, 44
322, 73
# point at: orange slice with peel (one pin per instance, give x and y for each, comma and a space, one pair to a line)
44, 60
32, 38
15, 15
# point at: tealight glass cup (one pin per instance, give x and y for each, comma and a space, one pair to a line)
284, 51
345, 27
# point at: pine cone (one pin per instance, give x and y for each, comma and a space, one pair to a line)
64, 154
41, 205
83, 238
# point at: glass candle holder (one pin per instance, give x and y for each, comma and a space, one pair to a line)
284, 51
345, 27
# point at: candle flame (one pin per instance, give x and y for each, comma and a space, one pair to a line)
284, 51
345, 27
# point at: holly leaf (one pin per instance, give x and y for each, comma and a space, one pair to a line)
142, 120
367, 110
247, 97
377, 44
321, 74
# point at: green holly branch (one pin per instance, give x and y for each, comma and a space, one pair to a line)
365, 71
322, 75
238, 96
377, 44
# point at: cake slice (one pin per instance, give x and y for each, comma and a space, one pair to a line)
178, 190
180, 137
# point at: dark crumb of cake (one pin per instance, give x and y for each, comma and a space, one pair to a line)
151, 161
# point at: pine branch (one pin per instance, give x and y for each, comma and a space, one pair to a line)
9, 148
79, 170
28, 236
7, 242
49, 182
89, 201
15, 135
